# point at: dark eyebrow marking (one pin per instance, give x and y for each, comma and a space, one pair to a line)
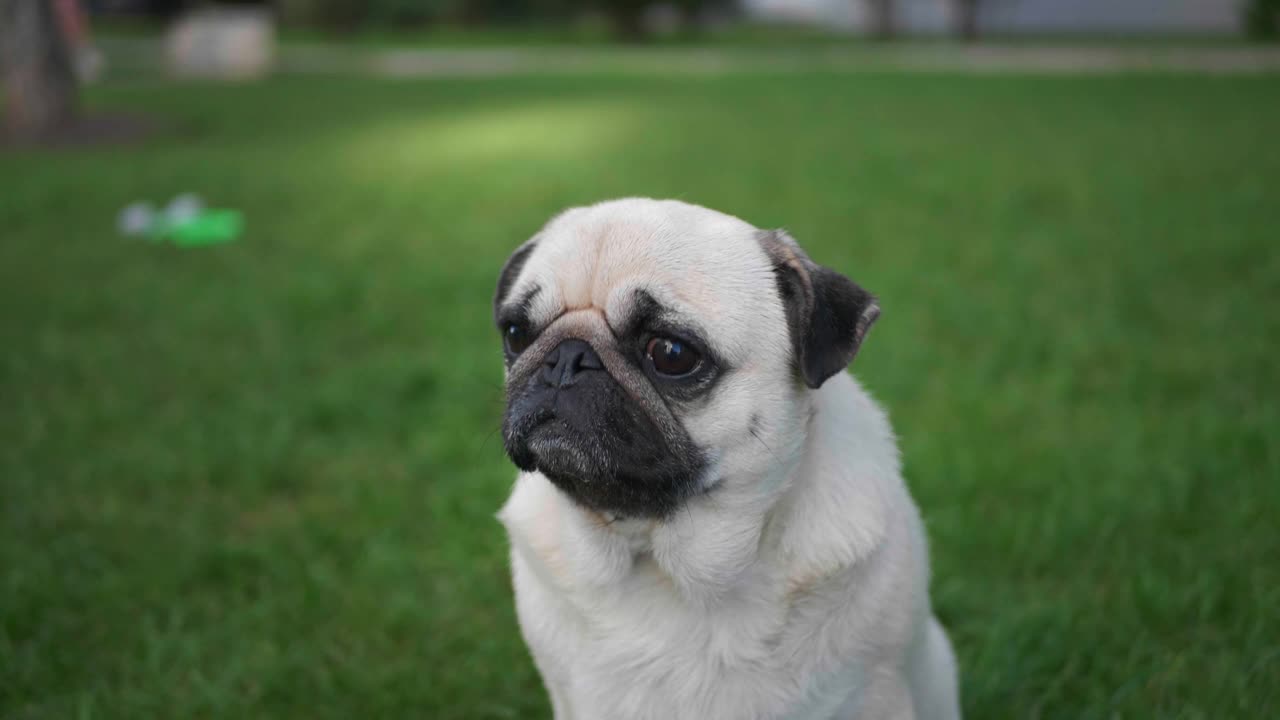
645, 310
511, 272
648, 314
517, 312
649, 318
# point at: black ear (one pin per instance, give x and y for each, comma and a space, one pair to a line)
828, 313
510, 273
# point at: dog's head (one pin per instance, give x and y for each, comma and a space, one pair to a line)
654, 349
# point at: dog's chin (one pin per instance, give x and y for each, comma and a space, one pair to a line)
585, 474
558, 456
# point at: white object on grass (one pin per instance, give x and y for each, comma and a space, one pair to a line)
136, 219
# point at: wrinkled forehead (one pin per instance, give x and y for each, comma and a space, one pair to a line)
697, 266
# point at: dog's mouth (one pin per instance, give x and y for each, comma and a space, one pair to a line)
599, 446
553, 443
543, 441
517, 432
587, 465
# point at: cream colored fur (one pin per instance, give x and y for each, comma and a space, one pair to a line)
796, 586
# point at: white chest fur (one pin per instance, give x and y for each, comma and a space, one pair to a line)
809, 601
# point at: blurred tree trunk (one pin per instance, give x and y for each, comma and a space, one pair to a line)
881, 19
967, 20
627, 17
690, 17
1262, 19
39, 82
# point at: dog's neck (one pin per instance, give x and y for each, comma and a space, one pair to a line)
795, 522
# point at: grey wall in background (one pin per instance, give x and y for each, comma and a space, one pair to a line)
1025, 17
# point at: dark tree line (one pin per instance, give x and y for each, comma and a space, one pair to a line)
626, 17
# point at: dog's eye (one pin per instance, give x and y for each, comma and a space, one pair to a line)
672, 357
517, 338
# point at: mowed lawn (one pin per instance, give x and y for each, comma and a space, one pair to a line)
259, 480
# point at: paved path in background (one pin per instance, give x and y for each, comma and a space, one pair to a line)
138, 54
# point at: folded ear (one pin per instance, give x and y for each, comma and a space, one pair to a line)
828, 314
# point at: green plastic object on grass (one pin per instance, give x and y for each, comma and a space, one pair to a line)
185, 222
209, 227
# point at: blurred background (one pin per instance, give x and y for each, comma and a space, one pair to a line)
250, 391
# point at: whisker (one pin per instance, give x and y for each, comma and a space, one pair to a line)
765, 445
484, 444
489, 436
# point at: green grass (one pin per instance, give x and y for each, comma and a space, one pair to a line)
258, 480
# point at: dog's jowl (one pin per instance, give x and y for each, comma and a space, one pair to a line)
710, 520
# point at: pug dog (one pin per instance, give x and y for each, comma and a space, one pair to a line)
710, 521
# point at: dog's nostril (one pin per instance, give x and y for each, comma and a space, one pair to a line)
590, 361
568, 360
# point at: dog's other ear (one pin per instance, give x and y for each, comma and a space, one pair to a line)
510, 273
828, 314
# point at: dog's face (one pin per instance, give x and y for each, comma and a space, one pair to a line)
655, 349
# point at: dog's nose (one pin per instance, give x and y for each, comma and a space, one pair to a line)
567, 361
